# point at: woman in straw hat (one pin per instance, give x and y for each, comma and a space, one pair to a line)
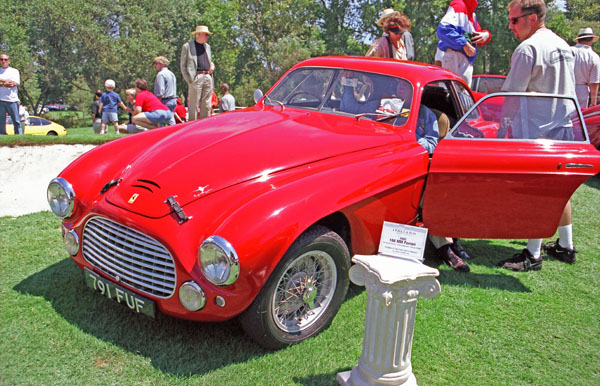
587, 68
390, 45
197, 68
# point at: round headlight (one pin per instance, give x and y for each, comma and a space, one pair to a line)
71, 241
61, 197
219, 261
191, 296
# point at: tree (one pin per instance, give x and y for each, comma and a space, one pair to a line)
583, 10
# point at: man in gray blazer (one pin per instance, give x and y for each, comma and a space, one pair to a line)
197, 68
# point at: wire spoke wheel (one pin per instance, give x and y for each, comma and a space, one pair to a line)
304, 291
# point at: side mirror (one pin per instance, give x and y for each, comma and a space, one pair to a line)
258, 94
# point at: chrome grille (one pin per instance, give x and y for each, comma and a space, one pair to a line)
129, 257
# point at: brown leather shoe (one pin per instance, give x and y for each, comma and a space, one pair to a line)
522, 262
449, 257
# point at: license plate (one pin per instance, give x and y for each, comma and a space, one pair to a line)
115, 292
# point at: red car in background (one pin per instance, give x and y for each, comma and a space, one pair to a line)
482, 85
591, 115
256, 213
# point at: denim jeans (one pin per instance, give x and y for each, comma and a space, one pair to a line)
171, 104
12, 108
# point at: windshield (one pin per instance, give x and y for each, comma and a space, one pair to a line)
372, 96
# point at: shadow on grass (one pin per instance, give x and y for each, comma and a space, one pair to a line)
593, 182
484, 253
174, 346
319, 379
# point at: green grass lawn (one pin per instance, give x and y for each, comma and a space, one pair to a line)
82, 135
487, 327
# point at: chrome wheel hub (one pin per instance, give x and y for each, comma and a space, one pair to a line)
304, 291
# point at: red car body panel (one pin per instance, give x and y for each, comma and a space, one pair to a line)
260, 177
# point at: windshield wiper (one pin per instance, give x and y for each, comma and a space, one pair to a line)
385, 117
276, 101
391, 116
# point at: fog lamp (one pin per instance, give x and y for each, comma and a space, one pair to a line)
191, 296
71, 241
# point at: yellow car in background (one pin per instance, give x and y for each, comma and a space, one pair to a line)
37, 126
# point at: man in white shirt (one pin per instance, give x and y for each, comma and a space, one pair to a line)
9, 99
165, 85
587, 68
227, 103
542, 63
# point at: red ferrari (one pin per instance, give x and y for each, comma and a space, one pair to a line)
256, 213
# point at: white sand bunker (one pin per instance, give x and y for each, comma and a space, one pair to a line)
25, 172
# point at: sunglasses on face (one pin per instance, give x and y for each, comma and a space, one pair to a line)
4, 60
394, 29
515, 20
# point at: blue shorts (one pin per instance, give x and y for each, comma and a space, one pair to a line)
110, 117
159, 116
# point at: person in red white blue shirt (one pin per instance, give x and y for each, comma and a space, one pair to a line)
460, 34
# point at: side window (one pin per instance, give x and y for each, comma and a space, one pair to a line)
438, 96
521, 116
34, 121
44, 122
378, 97
464, 97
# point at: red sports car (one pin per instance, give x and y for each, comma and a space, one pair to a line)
256, 213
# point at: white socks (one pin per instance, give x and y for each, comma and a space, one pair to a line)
565, 239
565, 236
535, 247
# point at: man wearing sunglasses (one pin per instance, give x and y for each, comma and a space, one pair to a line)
460, 34
9, 99
542, 63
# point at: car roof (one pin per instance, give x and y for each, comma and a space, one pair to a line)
488, 76
413, 71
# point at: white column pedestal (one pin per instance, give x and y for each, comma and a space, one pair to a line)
393, 287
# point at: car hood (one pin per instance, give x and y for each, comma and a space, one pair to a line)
231, 148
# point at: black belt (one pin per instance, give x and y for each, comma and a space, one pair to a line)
168, 98
202, 72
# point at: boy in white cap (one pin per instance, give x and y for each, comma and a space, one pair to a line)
587, 68
110, 102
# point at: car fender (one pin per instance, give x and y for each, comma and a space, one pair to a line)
261, 231
106, 162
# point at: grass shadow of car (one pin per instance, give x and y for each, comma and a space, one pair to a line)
484, 253
165, 340
593, 182
162, 340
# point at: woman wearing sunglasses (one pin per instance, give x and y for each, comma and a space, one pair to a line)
390, 44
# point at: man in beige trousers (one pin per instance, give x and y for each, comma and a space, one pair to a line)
197, 69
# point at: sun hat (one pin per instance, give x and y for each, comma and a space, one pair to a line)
201, 29
384, 15
109, 83
586, 33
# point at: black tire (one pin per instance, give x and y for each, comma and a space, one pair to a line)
292, 307
52, 133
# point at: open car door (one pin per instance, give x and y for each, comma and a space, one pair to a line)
508, 168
